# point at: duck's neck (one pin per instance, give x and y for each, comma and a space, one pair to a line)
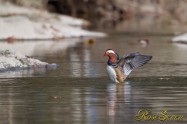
112, 59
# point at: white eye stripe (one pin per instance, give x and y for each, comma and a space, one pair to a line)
110, 51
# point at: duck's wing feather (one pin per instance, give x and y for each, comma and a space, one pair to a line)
132, 61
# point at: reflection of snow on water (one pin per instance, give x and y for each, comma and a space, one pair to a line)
90, 69
38, 47
81, 64
23, 73
87, 63
75, 65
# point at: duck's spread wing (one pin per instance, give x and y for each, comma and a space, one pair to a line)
132, 61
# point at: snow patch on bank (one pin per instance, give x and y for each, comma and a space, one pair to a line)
17, 61
180, 39
29, 23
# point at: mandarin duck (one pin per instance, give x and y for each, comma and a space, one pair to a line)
119, 68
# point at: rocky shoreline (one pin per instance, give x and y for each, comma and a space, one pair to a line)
10, 61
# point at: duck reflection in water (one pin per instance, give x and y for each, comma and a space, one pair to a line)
119, 97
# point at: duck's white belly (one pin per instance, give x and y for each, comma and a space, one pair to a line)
112, 74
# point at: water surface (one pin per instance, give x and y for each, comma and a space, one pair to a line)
79, 91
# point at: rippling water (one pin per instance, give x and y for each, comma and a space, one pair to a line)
79, 91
